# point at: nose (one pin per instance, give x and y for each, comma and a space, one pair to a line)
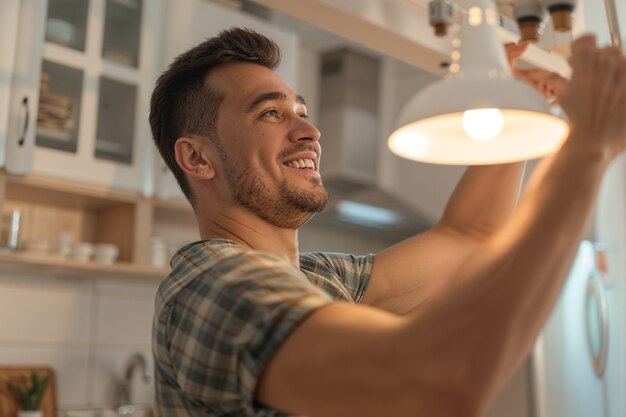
303, 130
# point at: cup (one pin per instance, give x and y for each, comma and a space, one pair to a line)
65, 241
159, 253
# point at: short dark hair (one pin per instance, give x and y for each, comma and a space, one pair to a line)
182, 101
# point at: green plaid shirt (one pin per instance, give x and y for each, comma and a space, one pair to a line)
223, 312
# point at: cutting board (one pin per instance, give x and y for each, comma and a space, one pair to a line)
9, 406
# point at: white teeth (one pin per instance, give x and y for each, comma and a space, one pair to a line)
300, 163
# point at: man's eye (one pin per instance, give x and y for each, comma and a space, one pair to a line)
271, 113
304, 116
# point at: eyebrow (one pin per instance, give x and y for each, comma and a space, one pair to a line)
270, 96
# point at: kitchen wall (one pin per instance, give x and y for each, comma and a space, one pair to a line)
85, 329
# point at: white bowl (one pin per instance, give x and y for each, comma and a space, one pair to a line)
82, 251
106, 253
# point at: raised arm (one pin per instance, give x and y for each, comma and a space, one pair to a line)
406, 274
450, 356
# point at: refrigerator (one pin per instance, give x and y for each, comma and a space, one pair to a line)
578, 366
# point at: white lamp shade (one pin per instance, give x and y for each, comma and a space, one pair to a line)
432, 123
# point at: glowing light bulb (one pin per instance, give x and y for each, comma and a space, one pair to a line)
483, 124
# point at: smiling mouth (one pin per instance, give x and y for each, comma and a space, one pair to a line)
304, 163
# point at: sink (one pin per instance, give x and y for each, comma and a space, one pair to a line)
123, 411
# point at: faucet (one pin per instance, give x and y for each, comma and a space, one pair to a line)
137, 360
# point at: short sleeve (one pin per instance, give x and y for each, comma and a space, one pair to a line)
353, 271
227, 324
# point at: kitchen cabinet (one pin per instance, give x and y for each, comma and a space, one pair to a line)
9, 11
84, 71
93, 164
49, 209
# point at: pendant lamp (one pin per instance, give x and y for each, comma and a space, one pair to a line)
479, 114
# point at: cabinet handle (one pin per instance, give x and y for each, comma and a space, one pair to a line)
595, 291
22, 138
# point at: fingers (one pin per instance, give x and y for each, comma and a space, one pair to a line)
620, 86
583, 57
515, 50
548, 83
607, 66
551, 79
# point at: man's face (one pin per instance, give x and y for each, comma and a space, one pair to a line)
268, 149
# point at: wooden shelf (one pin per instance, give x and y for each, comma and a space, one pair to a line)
178, 204
63, 193
50, 207
62, 267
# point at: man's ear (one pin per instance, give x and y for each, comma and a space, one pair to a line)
194, 158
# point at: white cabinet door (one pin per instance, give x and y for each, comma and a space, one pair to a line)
9, 14
25, 86
84, 71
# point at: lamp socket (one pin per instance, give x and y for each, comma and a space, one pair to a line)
561, 12
529, 16
441, 16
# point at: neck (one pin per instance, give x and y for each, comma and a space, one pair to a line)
247, 229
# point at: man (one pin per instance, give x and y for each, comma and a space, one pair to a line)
245, 325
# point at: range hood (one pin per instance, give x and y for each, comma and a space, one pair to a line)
351, 140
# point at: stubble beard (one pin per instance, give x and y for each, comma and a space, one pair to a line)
289, 207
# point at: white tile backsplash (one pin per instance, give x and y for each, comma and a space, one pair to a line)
52, 313
70, 365
109, 367
134, 312
85, 329
119, 288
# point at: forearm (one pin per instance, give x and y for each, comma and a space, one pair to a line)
483, 200
405, 274
483, 326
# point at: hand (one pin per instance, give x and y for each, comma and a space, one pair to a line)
548, 83
595, 98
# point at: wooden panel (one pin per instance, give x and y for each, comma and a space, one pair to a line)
116, 225
2, 193
175, 204
4, 222
143, 233
8, 404
64, 193
43, 222
174, 224
55, 266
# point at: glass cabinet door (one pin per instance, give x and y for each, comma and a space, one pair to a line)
116, 121
121, 31
66, 23
94, 68
59, 106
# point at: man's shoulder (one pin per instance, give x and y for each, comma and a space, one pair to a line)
210, 265
335, 261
